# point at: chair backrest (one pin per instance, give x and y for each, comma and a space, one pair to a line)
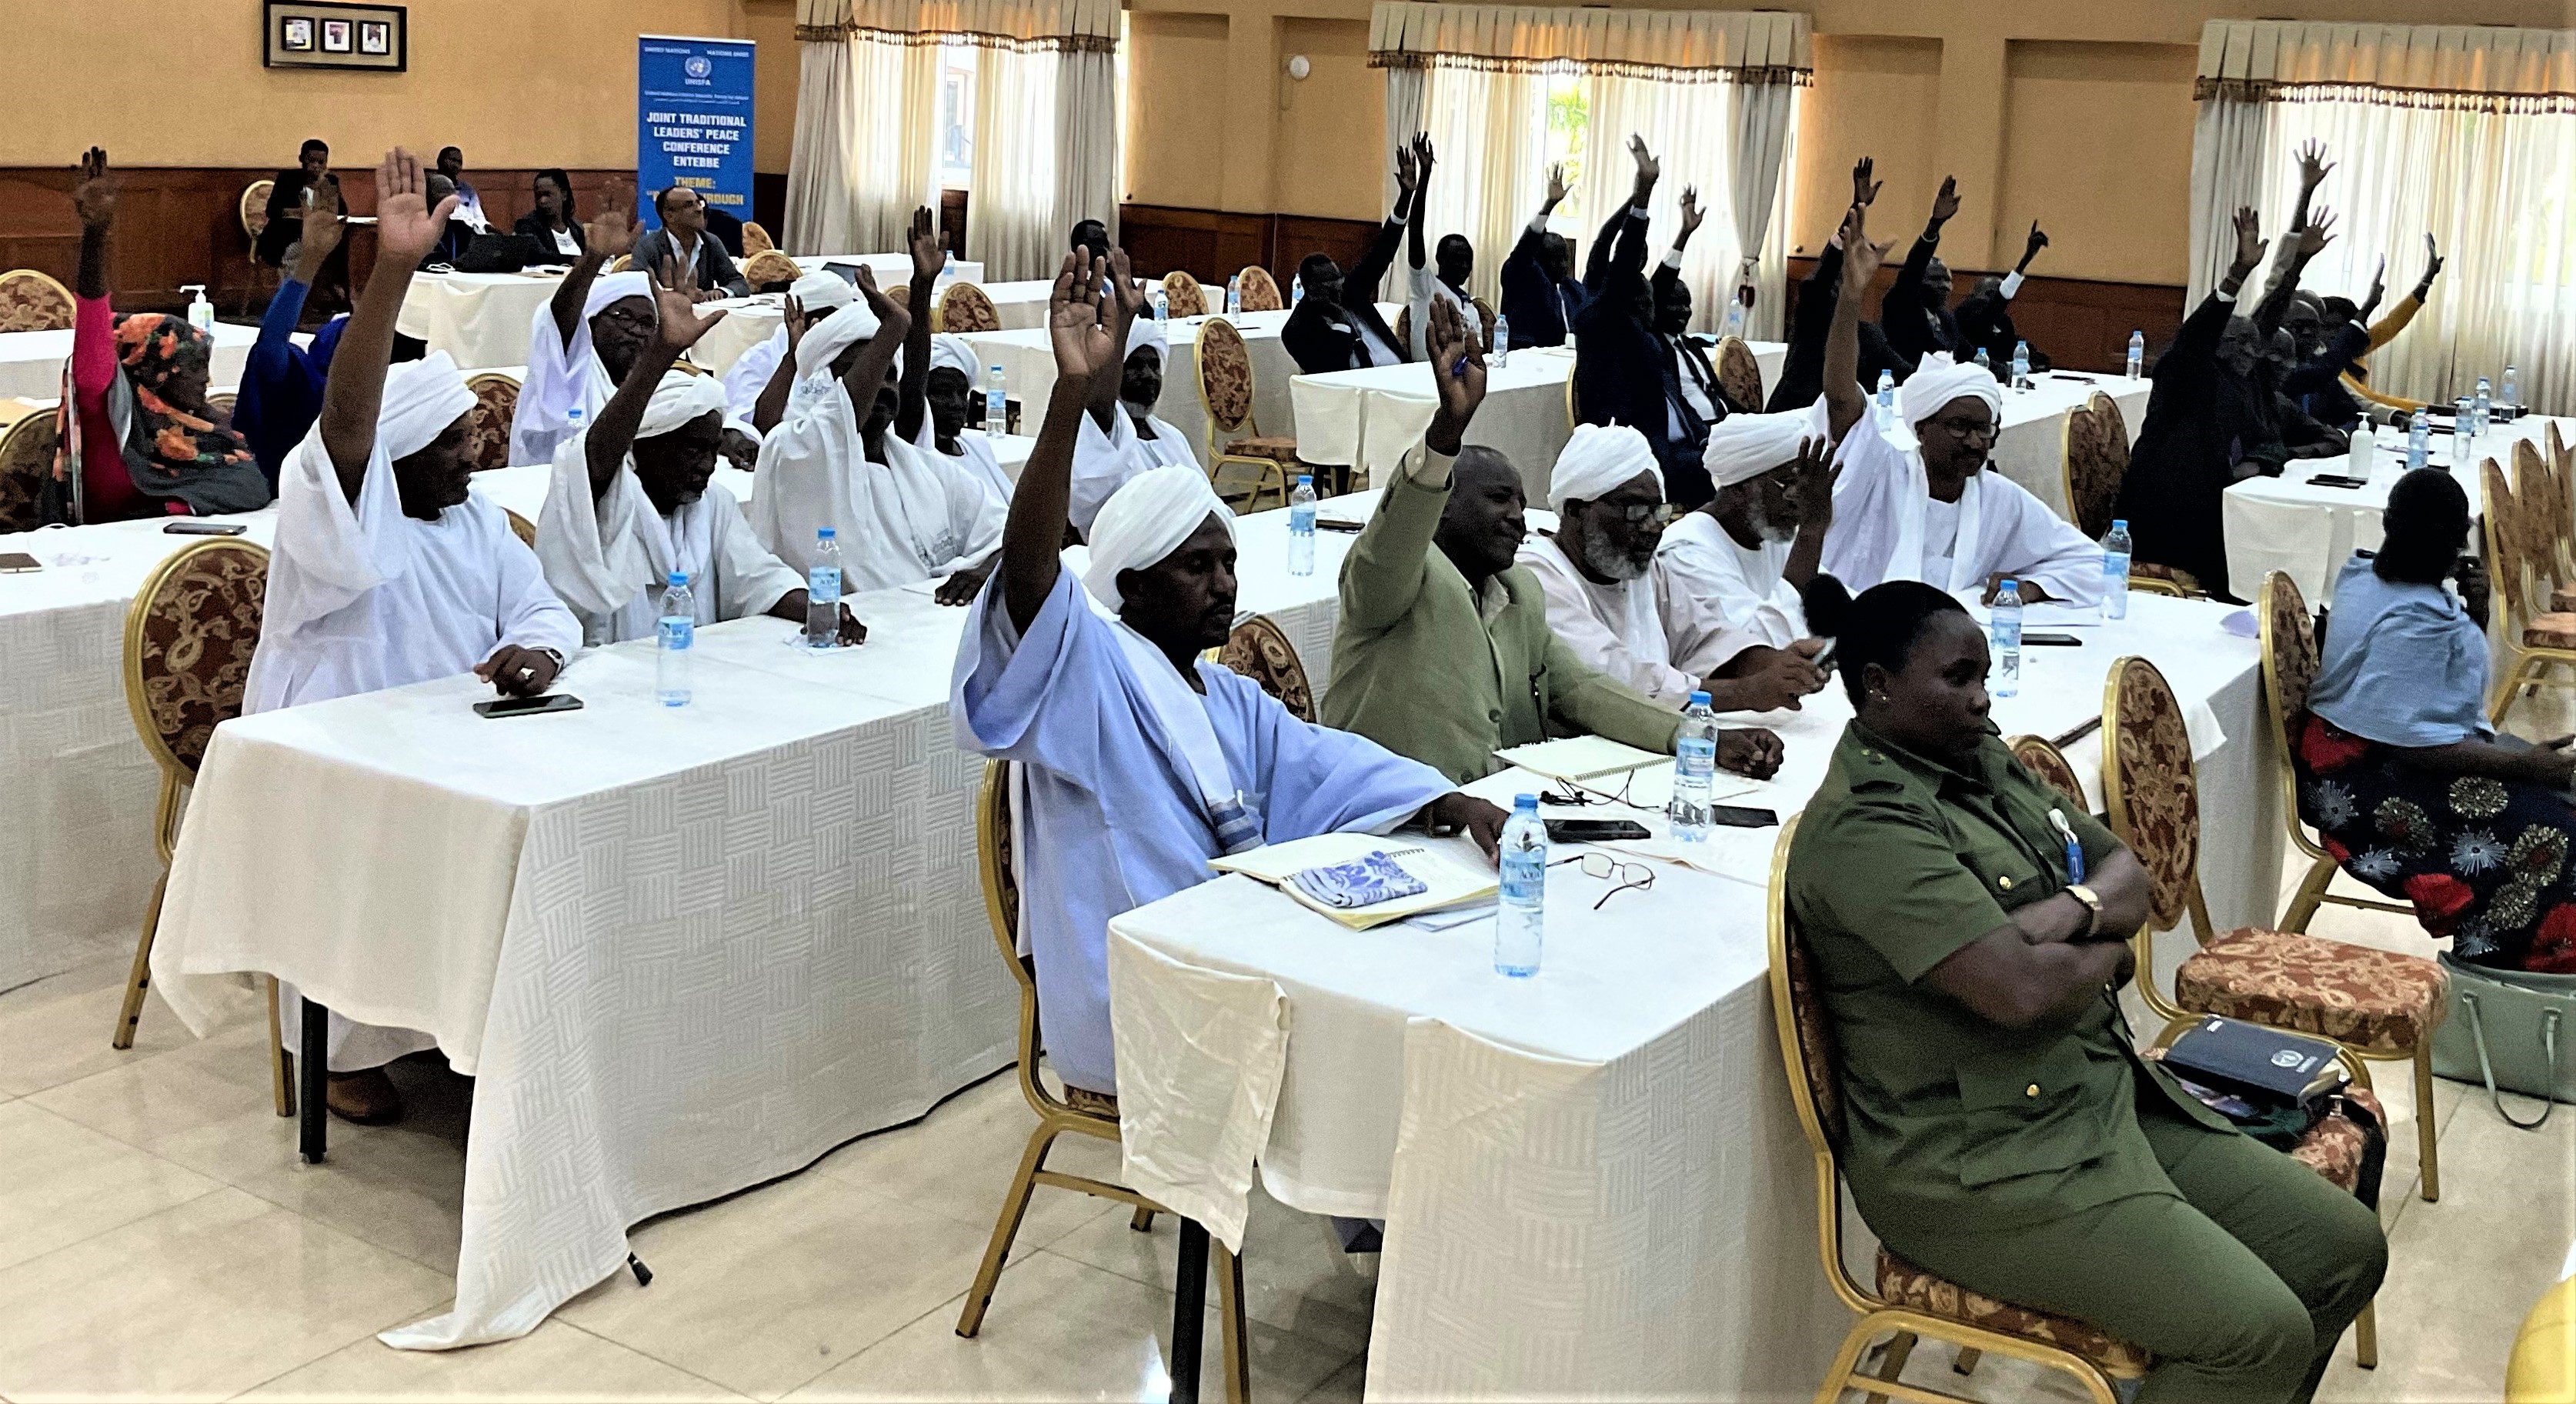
1808, 1055
1225, 376
2289, 666
623, 263
2151, 790
254, 207
2096, 455
996, 834
966, 308
1182, 295
900, 295
756, 240
1260, 650
1739, 374
1260, 291
223, 403
2541, 506
2040, 757
26, 461
496, 401
2504, 539
189, 636
1404, 331
522, 528
33, 301
769, 268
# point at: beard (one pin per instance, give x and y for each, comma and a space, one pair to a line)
1607, 558
1772, 532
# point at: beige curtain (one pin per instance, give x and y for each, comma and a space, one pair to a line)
1489, 132
2466, 133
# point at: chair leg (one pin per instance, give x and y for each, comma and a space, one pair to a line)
1189, 1312
1015, 1206
281, 1069
2501, 699
140, 977
2428, 1151
2365, 1336
2311, 895
1846, 1365
313, 1069
1899, 1350
1143, 1222
1235, 1343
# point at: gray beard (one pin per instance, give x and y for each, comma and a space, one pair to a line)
1772, 533
1600, 559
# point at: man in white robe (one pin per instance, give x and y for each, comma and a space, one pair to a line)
816, 295
388, 567
1138, 761
947, 397
831, 458
631, 504
1737, 562
1607, 605
1121, 436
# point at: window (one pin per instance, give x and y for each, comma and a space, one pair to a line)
1569, 121
957, 115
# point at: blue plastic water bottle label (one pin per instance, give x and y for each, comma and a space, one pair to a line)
678, 633
823, 585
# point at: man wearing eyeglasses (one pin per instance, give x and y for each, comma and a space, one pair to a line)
1914, 501
1608, 604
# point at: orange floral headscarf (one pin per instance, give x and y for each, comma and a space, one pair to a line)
153, 348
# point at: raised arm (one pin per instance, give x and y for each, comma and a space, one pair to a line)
1082, 332
1908, 291
2313, 169
94, 198
771, 405
1125, 298
1421, 197
1383, 574
1845, 402
677, 328
1670, 270
323, 228
606, 235
2299, 247
354, 394
868, 371
929, 256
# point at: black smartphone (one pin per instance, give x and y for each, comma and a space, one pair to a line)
1736, 816
1594, 830
2338, 480
500, 707
1336, 524
204, 529
2042, 638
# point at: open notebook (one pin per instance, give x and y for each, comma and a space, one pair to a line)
1446, 881
1578, 757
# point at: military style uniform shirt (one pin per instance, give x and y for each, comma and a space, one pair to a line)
1899, 862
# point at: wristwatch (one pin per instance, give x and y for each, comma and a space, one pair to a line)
2092, 904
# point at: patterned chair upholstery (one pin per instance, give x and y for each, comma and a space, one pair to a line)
901, 296
1739, 374
966, 308
33, 301
1903, 1284
189, 637
496, 401
2096, 458
2043, 759
1404, 332
1260, 291
26, 461
254, 208
1259, 650
1225, 391
756, 241
769, 269
522, 528
1182, 295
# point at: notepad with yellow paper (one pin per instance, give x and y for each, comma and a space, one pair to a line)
1578, 757
1445, 881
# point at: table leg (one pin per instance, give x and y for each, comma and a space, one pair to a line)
1189, 1312
312, 1071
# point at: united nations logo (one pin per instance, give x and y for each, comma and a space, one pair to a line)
697, 66
2287, 1058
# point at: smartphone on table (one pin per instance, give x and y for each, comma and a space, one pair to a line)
501, 707
197, 528
1595, 830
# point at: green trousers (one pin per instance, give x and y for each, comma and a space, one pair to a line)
2240, 1287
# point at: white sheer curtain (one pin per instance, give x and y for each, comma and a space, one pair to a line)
865, 142
1012, 223
1685, 126
1489, 133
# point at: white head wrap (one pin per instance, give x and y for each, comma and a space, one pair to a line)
680, 398
1742, 447
613, 287
1145, 331
421, 399
1144, 521
1941, 379
1597, 460
565, 373
826, 340
955, 352
822, 292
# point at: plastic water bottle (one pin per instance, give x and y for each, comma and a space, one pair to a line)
1520, 927
823, 592
1734, 317
1985, 362
2464, 431
201, 313
2021, 365
574, 420
1296, 294
1162, 304
2115, 570
679, 630
1500, 353
2510, 394
2419, 441
2137, 354
2003, 636
1694, 771
1234, 296
1886, 400
997, 402
1301, 526
2482, 405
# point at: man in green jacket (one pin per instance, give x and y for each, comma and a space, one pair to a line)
1446, 656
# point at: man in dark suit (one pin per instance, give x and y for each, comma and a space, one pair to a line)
1985, 319
1802, 373
1916, 312
286, 203
1623, 371
1337, 326
708, 272
1540, 293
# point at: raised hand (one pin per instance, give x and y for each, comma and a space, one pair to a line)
2432, 268
929, 256
1864, 189
612, 231
1692, 213
1407, 178
323, 226
2313, 165
1078, 324
1811, 484
1649, 168
406, 226
1861, 257
793, 318
1422, 154
1130, 291
893, 318
2319, 233
2250, 243
1457, 375
2378, 289
1945, 203
677, 323
2038, 240
93, 193
1557, 189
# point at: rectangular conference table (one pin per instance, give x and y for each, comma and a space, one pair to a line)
31, 362
1593, 1182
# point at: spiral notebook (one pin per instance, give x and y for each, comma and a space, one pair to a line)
1446, 881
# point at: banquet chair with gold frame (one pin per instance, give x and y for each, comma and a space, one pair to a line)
2533, 640
26, 465
496, 401
2373, 1005
1182, 295
756, 240
1260, 650
1905, 1301
522, 528
1739, 374
33, 301
189, 637
1260, 291
2093, 458
2289, 666
1226, 396
1079, 1113
224, 402
2040, 757
965, 308
768, 268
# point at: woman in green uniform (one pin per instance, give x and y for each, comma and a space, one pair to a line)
1970, 933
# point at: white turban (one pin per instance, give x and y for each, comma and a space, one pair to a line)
1941, 379
1597, 460
955, 352
1742, 447
614, 287
826, 340
1145, 520
680, 398
822, 292
421, 399
1144, 332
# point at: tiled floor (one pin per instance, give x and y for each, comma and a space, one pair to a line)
158, 1239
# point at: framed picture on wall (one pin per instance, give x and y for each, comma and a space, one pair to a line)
333, 34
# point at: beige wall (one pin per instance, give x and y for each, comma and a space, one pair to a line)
1176, 75
1332, 123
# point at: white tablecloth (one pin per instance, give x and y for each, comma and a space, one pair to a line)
2031, 450
1593, 1182
1371, 418
31, 363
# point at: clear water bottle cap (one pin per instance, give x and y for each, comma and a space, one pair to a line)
679, 579
824, 533
1699, 699
1525, 804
